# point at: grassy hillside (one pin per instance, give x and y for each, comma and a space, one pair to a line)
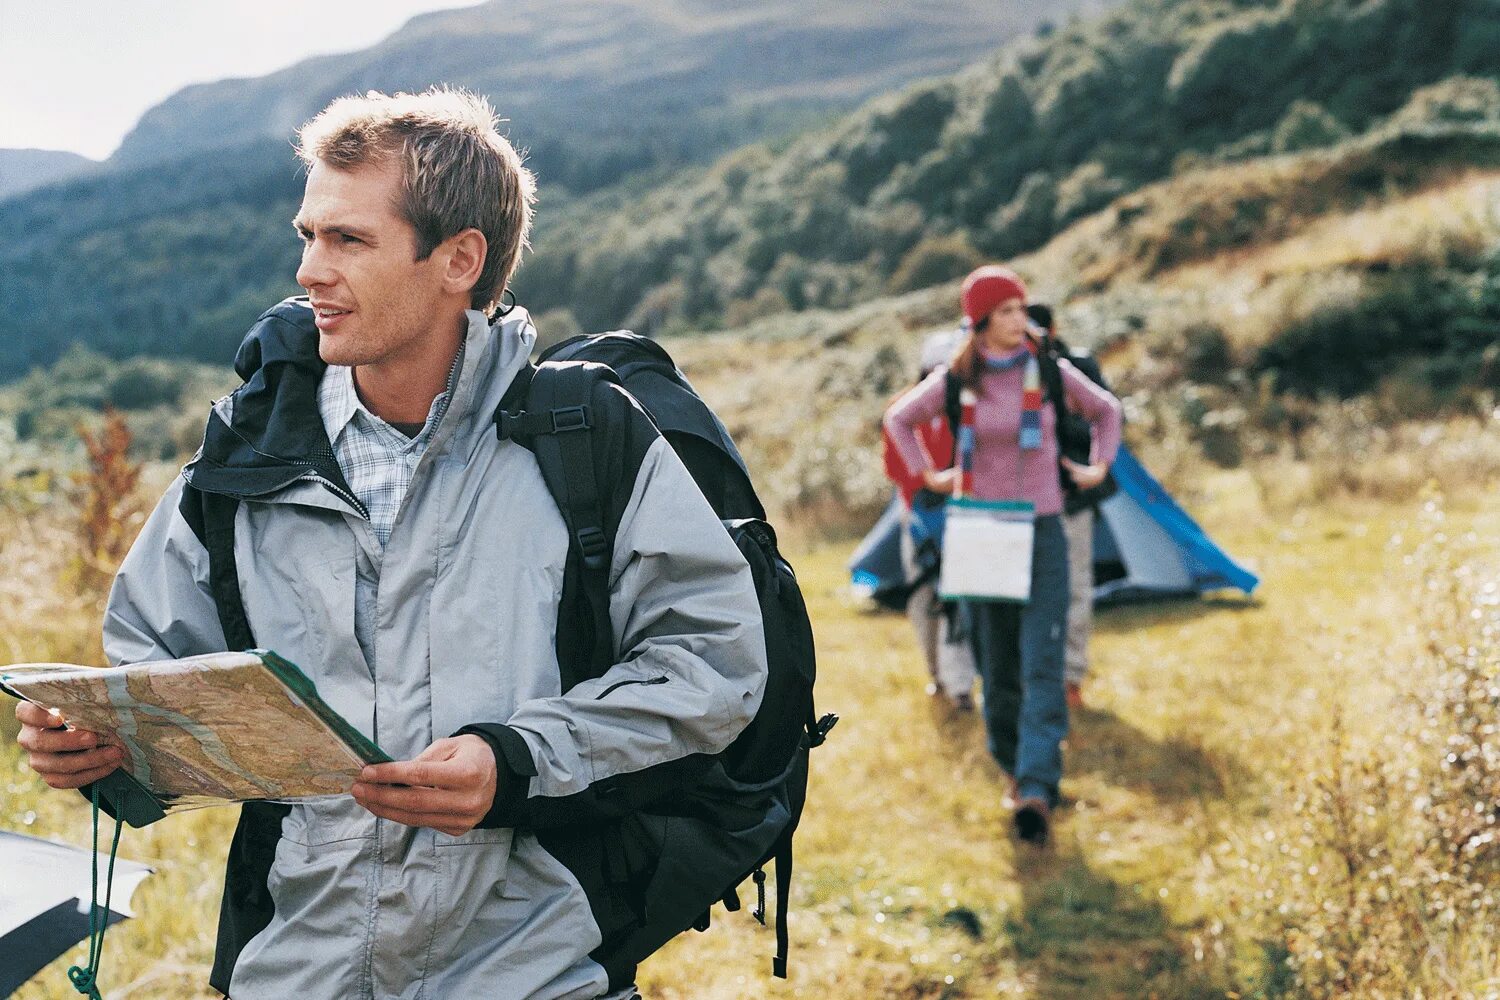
995, 161
180, 243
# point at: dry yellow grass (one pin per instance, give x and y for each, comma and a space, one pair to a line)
1201, 716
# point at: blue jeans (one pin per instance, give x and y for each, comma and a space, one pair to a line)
1018, 650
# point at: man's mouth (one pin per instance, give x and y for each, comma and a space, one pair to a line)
327, 317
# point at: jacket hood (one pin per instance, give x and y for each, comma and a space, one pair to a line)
268, 432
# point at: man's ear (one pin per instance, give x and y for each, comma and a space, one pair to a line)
463, 256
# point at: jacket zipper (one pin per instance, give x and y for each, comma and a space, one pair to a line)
312, 473
347, 497
619, 684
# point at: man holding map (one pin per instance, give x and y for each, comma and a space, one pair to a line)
411, 563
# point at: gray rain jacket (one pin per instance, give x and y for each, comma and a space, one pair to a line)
322, 899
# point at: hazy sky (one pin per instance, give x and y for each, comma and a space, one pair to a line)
77, 74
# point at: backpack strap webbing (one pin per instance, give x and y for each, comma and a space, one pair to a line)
1046, 354
557, 424
953, 409
223, 572
783, 904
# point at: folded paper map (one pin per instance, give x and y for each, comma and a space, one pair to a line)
226, 726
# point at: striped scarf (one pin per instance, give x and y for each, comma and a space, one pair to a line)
1031, 410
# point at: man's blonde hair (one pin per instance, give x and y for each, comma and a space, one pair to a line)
457, 170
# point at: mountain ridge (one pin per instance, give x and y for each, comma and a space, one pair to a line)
562, 62
23, 170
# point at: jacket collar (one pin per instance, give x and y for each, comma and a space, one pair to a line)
269, 432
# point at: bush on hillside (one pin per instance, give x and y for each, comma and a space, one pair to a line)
1307, 125
140, 384
1206, 354
1462, 99
1428, 326
935, 260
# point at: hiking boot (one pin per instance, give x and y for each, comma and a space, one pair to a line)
1073, 691
1033, 817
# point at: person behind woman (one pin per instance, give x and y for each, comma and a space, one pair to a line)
946, 648
1080, 510
1015, 458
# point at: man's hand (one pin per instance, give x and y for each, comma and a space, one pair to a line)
65, 758
449, 787
1085, 477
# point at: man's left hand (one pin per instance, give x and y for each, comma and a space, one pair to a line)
1086, 477
449, 786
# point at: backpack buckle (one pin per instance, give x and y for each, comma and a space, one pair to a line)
818, 734
592, 545
570, 418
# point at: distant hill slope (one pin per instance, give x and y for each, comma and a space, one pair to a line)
905, 193
21, 170
919, 185
599, 88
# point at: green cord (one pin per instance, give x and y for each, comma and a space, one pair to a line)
85, 981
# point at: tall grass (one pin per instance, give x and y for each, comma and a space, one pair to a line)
1387, 875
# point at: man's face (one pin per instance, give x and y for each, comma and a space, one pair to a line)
375, 303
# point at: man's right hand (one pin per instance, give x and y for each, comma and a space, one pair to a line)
65, 758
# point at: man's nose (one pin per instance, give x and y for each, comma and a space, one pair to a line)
314, 271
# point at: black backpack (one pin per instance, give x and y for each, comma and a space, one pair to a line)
689, 835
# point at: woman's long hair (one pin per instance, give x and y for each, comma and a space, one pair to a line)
966, 361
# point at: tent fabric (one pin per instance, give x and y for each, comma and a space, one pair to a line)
875, 567
1145, 546
1143, 534
44, 902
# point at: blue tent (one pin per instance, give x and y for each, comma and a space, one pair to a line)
1145, 546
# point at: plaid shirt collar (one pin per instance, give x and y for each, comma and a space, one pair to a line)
339, 402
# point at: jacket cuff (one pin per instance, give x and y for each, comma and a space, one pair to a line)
513, 770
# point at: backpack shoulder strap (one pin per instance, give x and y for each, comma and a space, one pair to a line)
211, 516
554, 416
953, 409
1046, 351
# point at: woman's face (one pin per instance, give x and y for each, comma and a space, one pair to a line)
1007, 327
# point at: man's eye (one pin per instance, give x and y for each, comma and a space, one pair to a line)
346, 238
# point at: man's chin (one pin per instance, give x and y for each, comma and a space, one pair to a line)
334, 351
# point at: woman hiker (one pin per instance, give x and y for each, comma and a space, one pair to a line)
1009, 433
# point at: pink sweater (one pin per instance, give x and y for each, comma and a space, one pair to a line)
1001, 470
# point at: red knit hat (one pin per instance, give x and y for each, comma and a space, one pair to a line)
988, 286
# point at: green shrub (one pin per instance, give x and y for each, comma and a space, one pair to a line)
1307, 125
1430, 325
1206, 355
935, 260
140, 384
